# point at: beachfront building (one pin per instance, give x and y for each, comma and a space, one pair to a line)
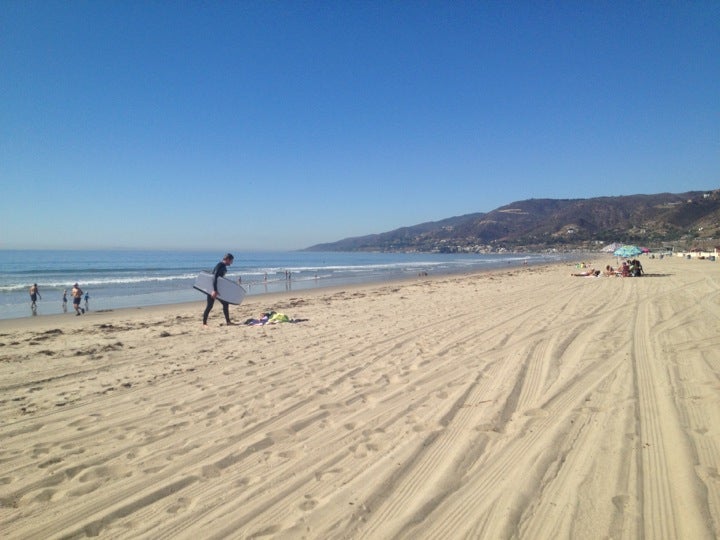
701, 253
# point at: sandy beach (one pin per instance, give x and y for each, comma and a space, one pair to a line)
522, 403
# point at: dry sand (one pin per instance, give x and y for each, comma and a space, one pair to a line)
517, 404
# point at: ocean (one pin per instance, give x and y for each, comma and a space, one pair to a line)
121, 279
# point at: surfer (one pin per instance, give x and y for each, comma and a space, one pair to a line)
219, 271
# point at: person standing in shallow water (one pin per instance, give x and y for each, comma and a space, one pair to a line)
219, 271
77, 294
34, 295
64, 301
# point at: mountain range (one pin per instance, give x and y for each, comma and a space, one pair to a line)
681, 220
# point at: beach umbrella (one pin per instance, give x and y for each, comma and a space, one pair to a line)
611, 247
627, 251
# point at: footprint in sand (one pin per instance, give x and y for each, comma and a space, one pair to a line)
48, 463
210, 471
319, 475
82, 423
537, 413
620, 502
242, 483
103, 472
309, 503
85, 489
183, 503
39, 450
137, 452
46, 495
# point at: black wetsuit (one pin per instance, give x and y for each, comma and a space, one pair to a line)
219, 271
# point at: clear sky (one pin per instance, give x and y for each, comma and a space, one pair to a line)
250, 125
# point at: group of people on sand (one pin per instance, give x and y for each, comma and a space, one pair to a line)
629, 268
76, 293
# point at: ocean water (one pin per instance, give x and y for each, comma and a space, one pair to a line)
119, 279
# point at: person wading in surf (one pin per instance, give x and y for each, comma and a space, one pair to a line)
34, 295
76, 294
219, 271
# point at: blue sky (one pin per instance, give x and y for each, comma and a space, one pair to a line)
278, 125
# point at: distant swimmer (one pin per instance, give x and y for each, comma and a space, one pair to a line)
34, 295
77, 295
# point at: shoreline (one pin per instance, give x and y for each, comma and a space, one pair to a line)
118, 286
420, 409
199, 306
33, 321
258, 297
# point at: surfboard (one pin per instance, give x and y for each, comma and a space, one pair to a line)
228, 291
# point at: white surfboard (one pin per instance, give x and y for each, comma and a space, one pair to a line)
228, 291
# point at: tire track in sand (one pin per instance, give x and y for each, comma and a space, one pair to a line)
668, 482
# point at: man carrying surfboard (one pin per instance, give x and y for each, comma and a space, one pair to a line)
219, 271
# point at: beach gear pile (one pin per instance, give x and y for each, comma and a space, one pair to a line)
270, 317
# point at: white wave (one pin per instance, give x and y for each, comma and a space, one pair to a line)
96, 282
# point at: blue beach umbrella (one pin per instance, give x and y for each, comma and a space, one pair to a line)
627, 251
